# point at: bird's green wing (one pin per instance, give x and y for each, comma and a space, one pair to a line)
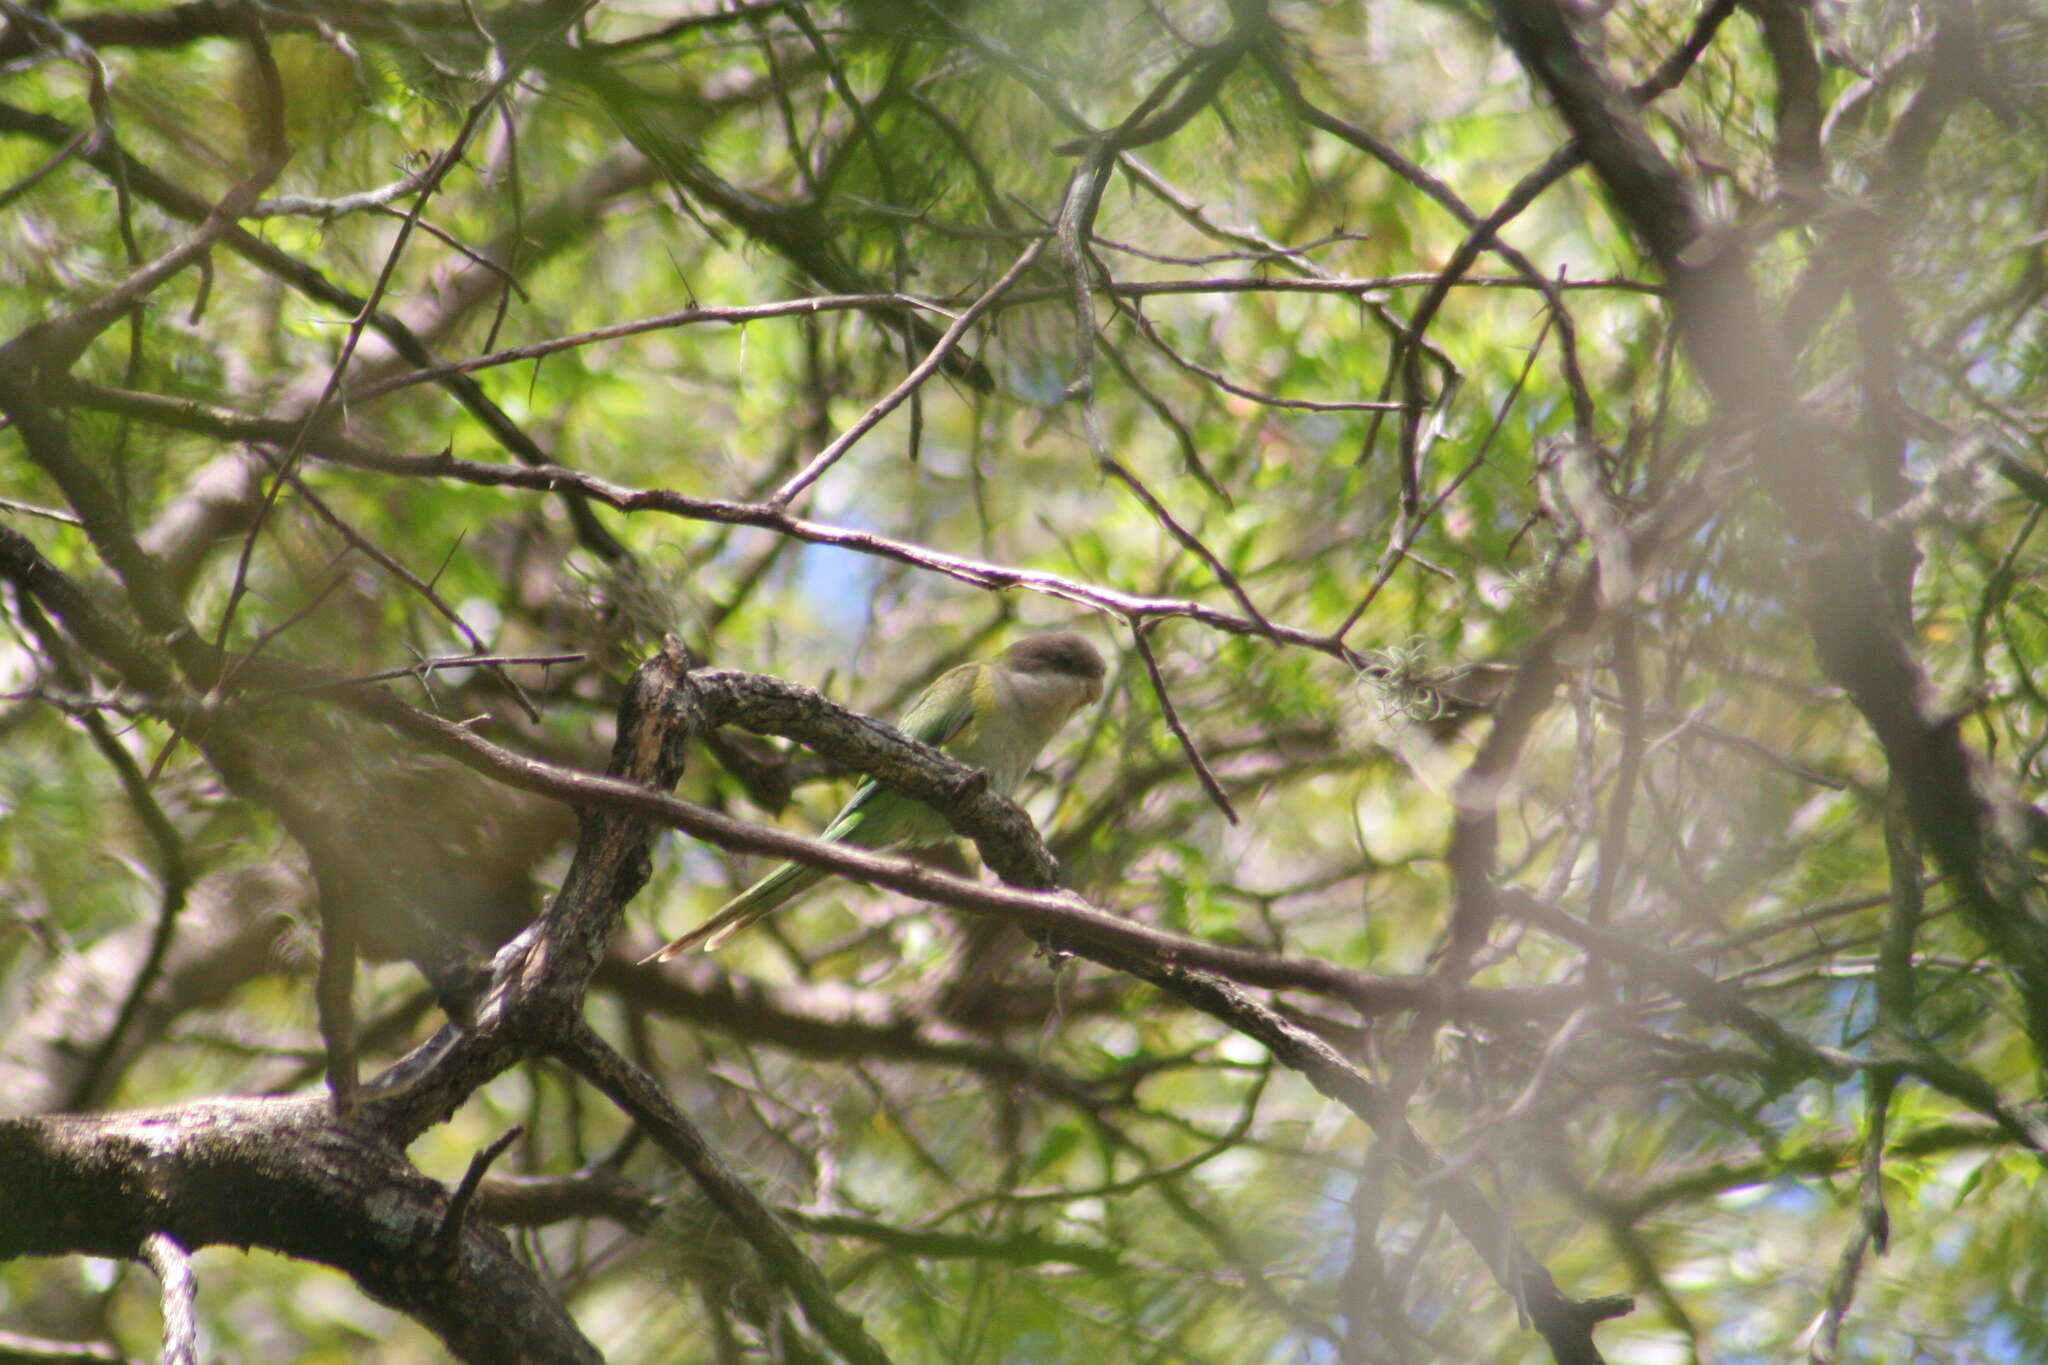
940, 712
943, 708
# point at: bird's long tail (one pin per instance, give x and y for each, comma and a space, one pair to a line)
759, 900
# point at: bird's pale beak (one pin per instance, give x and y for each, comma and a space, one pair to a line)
1094, 693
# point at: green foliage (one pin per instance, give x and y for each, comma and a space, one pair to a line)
992, 1156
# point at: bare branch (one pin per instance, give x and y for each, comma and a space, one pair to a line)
173, 1266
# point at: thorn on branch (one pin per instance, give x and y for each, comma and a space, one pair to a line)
449, 1235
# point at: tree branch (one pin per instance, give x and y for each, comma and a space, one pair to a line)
279, 1174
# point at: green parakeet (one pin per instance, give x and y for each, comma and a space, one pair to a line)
994, 714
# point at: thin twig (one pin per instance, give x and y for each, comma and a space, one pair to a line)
639, 1096
30, 509
391, 565
448, 1236
173, 1266
683, 317
175, 872
910, 383
1180, 731
548, 478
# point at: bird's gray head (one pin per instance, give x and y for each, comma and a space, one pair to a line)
1063, 655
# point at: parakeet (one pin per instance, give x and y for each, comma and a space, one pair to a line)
994, 714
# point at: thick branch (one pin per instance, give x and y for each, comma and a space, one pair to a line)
276, 1174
